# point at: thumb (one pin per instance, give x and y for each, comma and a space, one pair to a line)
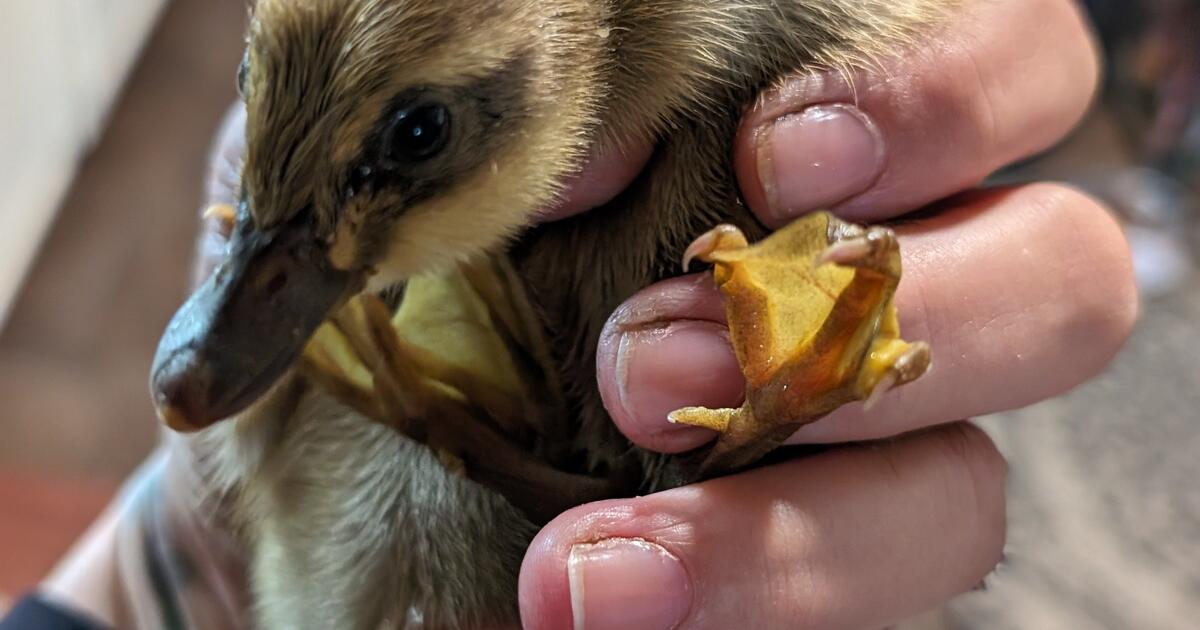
607, 171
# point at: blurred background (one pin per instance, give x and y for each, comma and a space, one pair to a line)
106, 119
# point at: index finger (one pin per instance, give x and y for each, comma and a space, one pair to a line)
856, 537
999, 82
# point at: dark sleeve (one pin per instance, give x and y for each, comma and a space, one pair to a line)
35, 613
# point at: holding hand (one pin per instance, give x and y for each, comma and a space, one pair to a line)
1022, 292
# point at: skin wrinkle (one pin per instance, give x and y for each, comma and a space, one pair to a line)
951, 447
672, 528
1017, 313
918, 314
960, 446
1063, 310
797, 527
797, 534
698, 296
914, 479
985, 109
1088, 282
954, 442
983, 470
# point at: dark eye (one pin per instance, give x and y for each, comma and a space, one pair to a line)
419, 132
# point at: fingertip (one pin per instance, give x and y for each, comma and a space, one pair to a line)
894, 527
811, 156
872, 143
1108, 306
666, 348
544, 589
543, 594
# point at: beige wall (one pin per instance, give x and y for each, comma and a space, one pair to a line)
62, 63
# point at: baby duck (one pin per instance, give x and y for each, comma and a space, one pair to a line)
390, 138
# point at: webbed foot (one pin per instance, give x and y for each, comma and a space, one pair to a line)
813, 323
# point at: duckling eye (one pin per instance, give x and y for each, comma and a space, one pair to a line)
419, 132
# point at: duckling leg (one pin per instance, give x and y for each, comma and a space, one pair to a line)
889, 364
889, 361
405, 388
406, 398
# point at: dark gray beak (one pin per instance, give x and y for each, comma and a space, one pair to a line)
246, 325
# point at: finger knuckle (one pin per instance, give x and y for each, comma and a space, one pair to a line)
1006, 120
966, 447
1099, 294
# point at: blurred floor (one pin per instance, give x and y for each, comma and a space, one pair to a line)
75, 354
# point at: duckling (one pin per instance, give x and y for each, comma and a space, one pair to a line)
390, 139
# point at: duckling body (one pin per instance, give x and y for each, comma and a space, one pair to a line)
348, 523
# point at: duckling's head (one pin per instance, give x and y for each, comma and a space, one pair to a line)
384, 138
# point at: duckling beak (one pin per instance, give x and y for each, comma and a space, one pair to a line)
246, 325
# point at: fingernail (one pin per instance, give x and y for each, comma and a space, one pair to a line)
627, 584
817, 157
686, 363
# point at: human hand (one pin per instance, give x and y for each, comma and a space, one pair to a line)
1022, 292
